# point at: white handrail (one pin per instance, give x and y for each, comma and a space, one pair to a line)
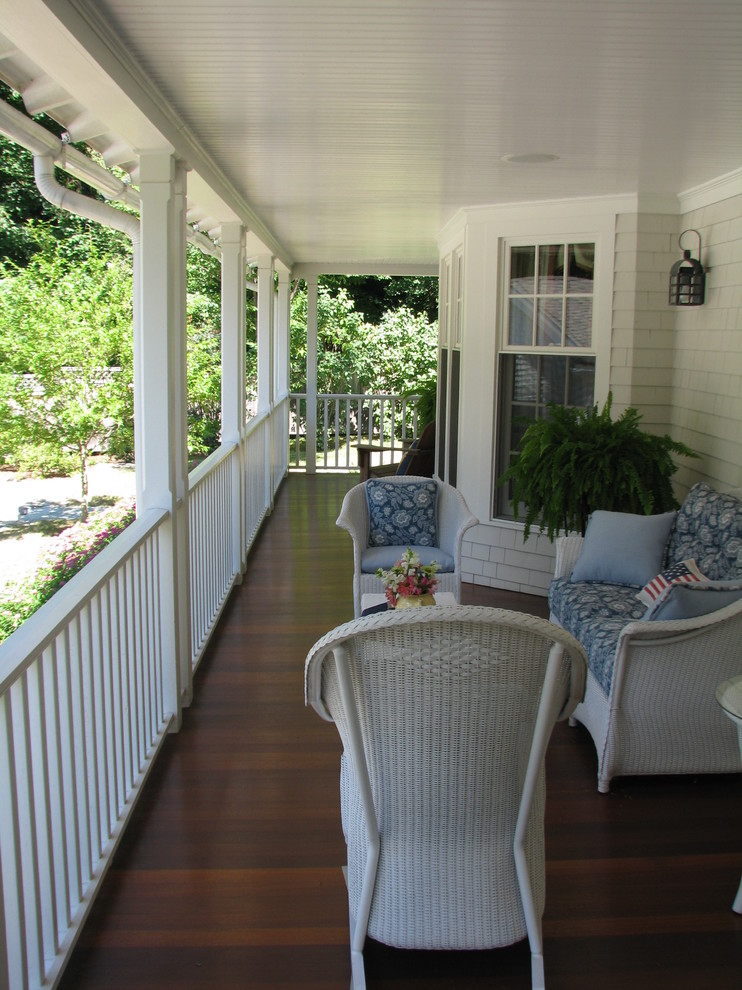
85, 702
348, 419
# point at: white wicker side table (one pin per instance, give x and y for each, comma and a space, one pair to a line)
729, 696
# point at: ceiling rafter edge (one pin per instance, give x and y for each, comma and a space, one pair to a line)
82, 20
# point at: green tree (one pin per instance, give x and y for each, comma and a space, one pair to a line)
374, 295
400, 352
204, 369
65, 355
339, 339
395, 355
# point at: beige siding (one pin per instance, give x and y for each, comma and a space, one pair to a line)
682, 368
641, 349
496, 556
707, 367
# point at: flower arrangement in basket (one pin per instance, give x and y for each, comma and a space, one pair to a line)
409, 582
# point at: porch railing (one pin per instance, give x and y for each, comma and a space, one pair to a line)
344, 420
83, 711
87, 695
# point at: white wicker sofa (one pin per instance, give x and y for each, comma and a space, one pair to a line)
653, 671
385, 516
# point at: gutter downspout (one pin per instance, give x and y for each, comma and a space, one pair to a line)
83, 206
36, 139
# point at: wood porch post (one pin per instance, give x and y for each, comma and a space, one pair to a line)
283, 332
283, 357
312, 310
233, 375
265, 333
161, 429
265, 361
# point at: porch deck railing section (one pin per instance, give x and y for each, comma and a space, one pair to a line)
347, 419
213, 568
84, 699
83, 712
279, 458
230, 493
256, 476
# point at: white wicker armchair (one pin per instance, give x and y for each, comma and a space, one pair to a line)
661, 716
454, 518
445, 714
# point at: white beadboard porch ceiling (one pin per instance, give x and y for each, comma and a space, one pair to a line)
350, 131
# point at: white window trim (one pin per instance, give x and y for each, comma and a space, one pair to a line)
602, 234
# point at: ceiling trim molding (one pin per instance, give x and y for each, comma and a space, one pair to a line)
580, 206
723, 187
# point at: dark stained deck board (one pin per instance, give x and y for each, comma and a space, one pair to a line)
228, 875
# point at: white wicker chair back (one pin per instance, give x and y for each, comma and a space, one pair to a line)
444, 714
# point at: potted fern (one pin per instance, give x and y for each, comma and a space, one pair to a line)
577, 460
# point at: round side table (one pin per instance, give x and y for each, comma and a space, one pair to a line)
729, 696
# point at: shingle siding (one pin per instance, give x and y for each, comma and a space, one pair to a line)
707, 355
682, 368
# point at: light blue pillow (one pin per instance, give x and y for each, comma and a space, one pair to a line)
623, 548
402, 514
685, 601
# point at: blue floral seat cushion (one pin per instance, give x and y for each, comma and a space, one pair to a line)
708, 529
595, 614
402, 514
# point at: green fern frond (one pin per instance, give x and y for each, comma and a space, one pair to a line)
577, 460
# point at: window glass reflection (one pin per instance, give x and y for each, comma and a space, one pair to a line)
579, 322
581, 381
551, 269
525, 378
522, 269
520, 324
549, 323
581, 268
553, 378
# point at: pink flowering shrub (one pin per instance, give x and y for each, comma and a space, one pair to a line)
68, 554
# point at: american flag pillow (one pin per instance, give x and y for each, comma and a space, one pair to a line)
686, 572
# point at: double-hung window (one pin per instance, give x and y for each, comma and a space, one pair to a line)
547, 354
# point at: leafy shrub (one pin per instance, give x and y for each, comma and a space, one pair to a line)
43, 460
68, 554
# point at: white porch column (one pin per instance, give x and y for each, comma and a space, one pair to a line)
283, 332
312, 310
161, 428
265, 363
265, 333
233, 374
283, 357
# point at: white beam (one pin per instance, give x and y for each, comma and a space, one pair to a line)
160, 392
283, 332
311, 390
265, 333
233, 372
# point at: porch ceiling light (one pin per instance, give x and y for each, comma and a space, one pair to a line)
687, 277
530, 158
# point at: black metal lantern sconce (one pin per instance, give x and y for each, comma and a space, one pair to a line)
687, 277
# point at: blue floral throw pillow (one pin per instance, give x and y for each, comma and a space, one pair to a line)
402, 514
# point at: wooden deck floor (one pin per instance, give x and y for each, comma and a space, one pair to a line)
229, 875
